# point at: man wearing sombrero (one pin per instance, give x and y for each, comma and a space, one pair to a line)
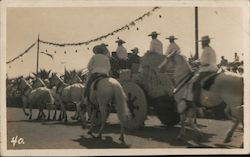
155, 44
121, 50
172, 46
208, 65
99, 64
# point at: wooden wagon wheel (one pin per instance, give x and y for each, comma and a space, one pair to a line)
137, 105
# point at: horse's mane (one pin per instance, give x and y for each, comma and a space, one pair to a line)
25, 81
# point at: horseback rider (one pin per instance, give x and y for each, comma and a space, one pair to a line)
208, 65
155, 44
98, 65
172, 46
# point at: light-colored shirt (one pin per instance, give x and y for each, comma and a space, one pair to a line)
172, 48
121, 52
208, 60
156, 46
99, 63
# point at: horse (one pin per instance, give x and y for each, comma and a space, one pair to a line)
68, 94
38, 82
40, 96
227, 88
108, 90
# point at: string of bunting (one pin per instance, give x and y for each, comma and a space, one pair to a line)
131, 24
125, 27
26, 51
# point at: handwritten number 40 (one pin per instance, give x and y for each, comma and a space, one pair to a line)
15, 140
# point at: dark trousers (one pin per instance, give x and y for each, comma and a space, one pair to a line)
91, 79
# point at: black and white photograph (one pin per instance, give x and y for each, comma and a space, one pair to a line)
91, 78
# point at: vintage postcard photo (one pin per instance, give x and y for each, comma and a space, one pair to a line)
124, 77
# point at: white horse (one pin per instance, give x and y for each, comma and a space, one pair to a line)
40, 96
69, 94
227, 88
38, 82
108, 91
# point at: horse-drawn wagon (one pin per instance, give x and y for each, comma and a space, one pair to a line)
147, 89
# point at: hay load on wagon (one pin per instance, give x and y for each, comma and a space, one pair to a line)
156, 90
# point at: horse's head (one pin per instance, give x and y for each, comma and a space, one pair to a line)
180, 66
54, 80
38, 82
21, 83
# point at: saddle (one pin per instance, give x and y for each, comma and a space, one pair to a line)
205, 81
93, 81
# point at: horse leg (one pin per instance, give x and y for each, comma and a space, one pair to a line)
92, 117
39, 115
54, 117
190, 115
231, 131
121, 138
103, 111
60, 116
183, 129
43, 114
48, 108
30, 111
64, 113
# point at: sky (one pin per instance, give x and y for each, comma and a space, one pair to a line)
67, 25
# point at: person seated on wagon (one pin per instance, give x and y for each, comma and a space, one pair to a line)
122, 54
155, 44
98, 65
172, 46
208, 65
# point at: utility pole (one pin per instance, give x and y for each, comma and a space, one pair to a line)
196, 56
37, 56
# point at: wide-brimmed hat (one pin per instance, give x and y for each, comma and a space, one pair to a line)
135, 50
205, 38
120, 41
103, 44
98, 49
154, 33
171, 37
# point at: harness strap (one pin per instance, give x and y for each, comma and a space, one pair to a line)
185, 79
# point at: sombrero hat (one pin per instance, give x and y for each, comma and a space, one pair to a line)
154, 33
103, 44
136, 50
98, 49
171, 37
205, 38
120, 41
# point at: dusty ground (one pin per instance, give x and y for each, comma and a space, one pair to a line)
59, 135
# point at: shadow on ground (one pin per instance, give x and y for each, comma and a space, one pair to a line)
160, 134
105, 142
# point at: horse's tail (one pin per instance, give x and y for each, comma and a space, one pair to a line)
121, 105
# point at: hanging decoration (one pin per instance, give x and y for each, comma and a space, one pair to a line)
17, 57
50, 55
125, 27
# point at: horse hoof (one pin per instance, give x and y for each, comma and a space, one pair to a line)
65, 120
227, 140
199, 138
91, 134
99, 137
180, 138
122, 140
